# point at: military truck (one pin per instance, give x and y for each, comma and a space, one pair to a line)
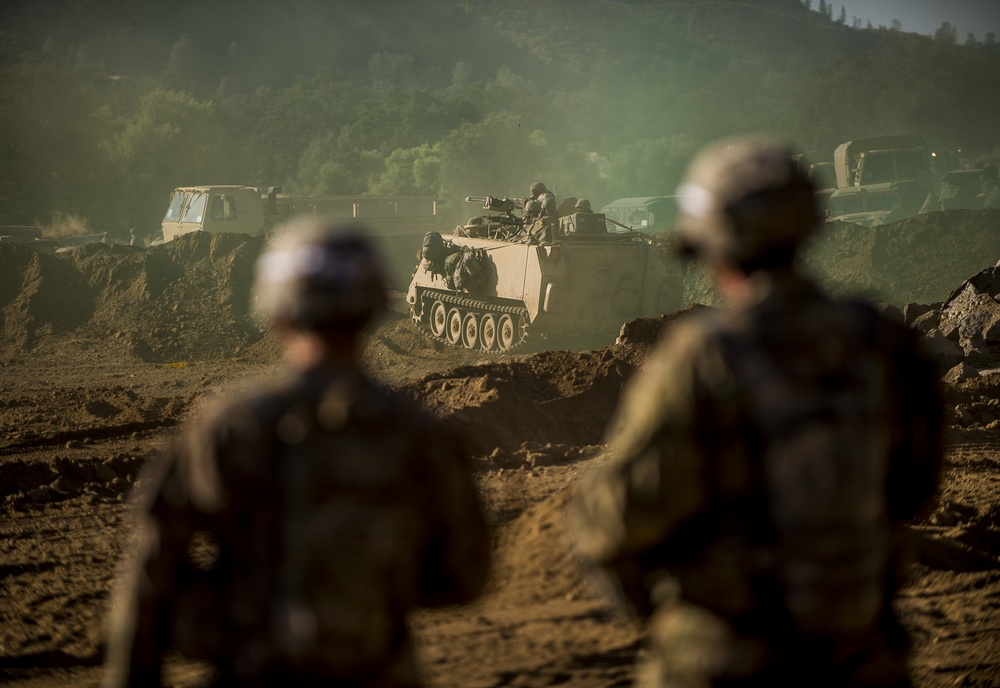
883, 159
654, 214
498, 281
398, 222
876, 204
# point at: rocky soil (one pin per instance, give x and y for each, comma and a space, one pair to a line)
106, 350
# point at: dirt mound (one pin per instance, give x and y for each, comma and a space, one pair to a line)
184, 300
917, 260
535, 556
647, 331
550, 397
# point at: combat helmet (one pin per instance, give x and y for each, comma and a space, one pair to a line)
746, 202
549, 205
320, 275
532, 208
535, 190
582, 206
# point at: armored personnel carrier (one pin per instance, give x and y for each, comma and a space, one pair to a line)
501, 279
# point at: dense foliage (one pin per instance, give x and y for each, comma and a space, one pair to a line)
114, 103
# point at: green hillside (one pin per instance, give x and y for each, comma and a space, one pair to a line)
110, 104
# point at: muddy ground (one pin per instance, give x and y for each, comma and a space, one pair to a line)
106, 350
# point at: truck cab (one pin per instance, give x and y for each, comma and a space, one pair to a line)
890, 165
228, 208
875, 204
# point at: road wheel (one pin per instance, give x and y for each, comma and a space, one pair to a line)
488, 331
470, 331
454, 327
437, 318
506, 332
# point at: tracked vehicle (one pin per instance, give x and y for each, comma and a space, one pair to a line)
500, 280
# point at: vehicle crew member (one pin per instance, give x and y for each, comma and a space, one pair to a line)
768, 457
535, 190
289, 531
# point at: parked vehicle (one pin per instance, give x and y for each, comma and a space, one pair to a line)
398, 222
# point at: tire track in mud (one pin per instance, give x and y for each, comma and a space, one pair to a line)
107, 432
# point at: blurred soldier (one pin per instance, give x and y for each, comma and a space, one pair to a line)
583, 206
768, 457
291, 530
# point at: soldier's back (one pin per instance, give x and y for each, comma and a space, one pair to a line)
811, 439
331, 496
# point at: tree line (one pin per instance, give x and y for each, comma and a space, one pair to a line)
604, 99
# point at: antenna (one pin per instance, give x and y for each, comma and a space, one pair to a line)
514, 148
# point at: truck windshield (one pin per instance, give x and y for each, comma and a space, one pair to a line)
195, 211
878, 167
176, 204
911, 164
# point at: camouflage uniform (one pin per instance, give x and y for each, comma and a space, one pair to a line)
289, 532
330, 500
767, 459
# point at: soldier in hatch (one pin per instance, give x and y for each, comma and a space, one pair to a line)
532, 210
535, 191
545, 228
768, 458
290, 530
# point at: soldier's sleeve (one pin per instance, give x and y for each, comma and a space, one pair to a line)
168, 516
456, 565
657, 481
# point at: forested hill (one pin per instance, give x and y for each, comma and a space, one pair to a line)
108, 104
270, 44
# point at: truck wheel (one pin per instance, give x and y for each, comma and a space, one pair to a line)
437, 319
470, 331
454, 327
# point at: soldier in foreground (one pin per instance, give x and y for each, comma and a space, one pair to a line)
768, 457
291, 530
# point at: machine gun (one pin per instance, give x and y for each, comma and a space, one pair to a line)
497, 205
506, 226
